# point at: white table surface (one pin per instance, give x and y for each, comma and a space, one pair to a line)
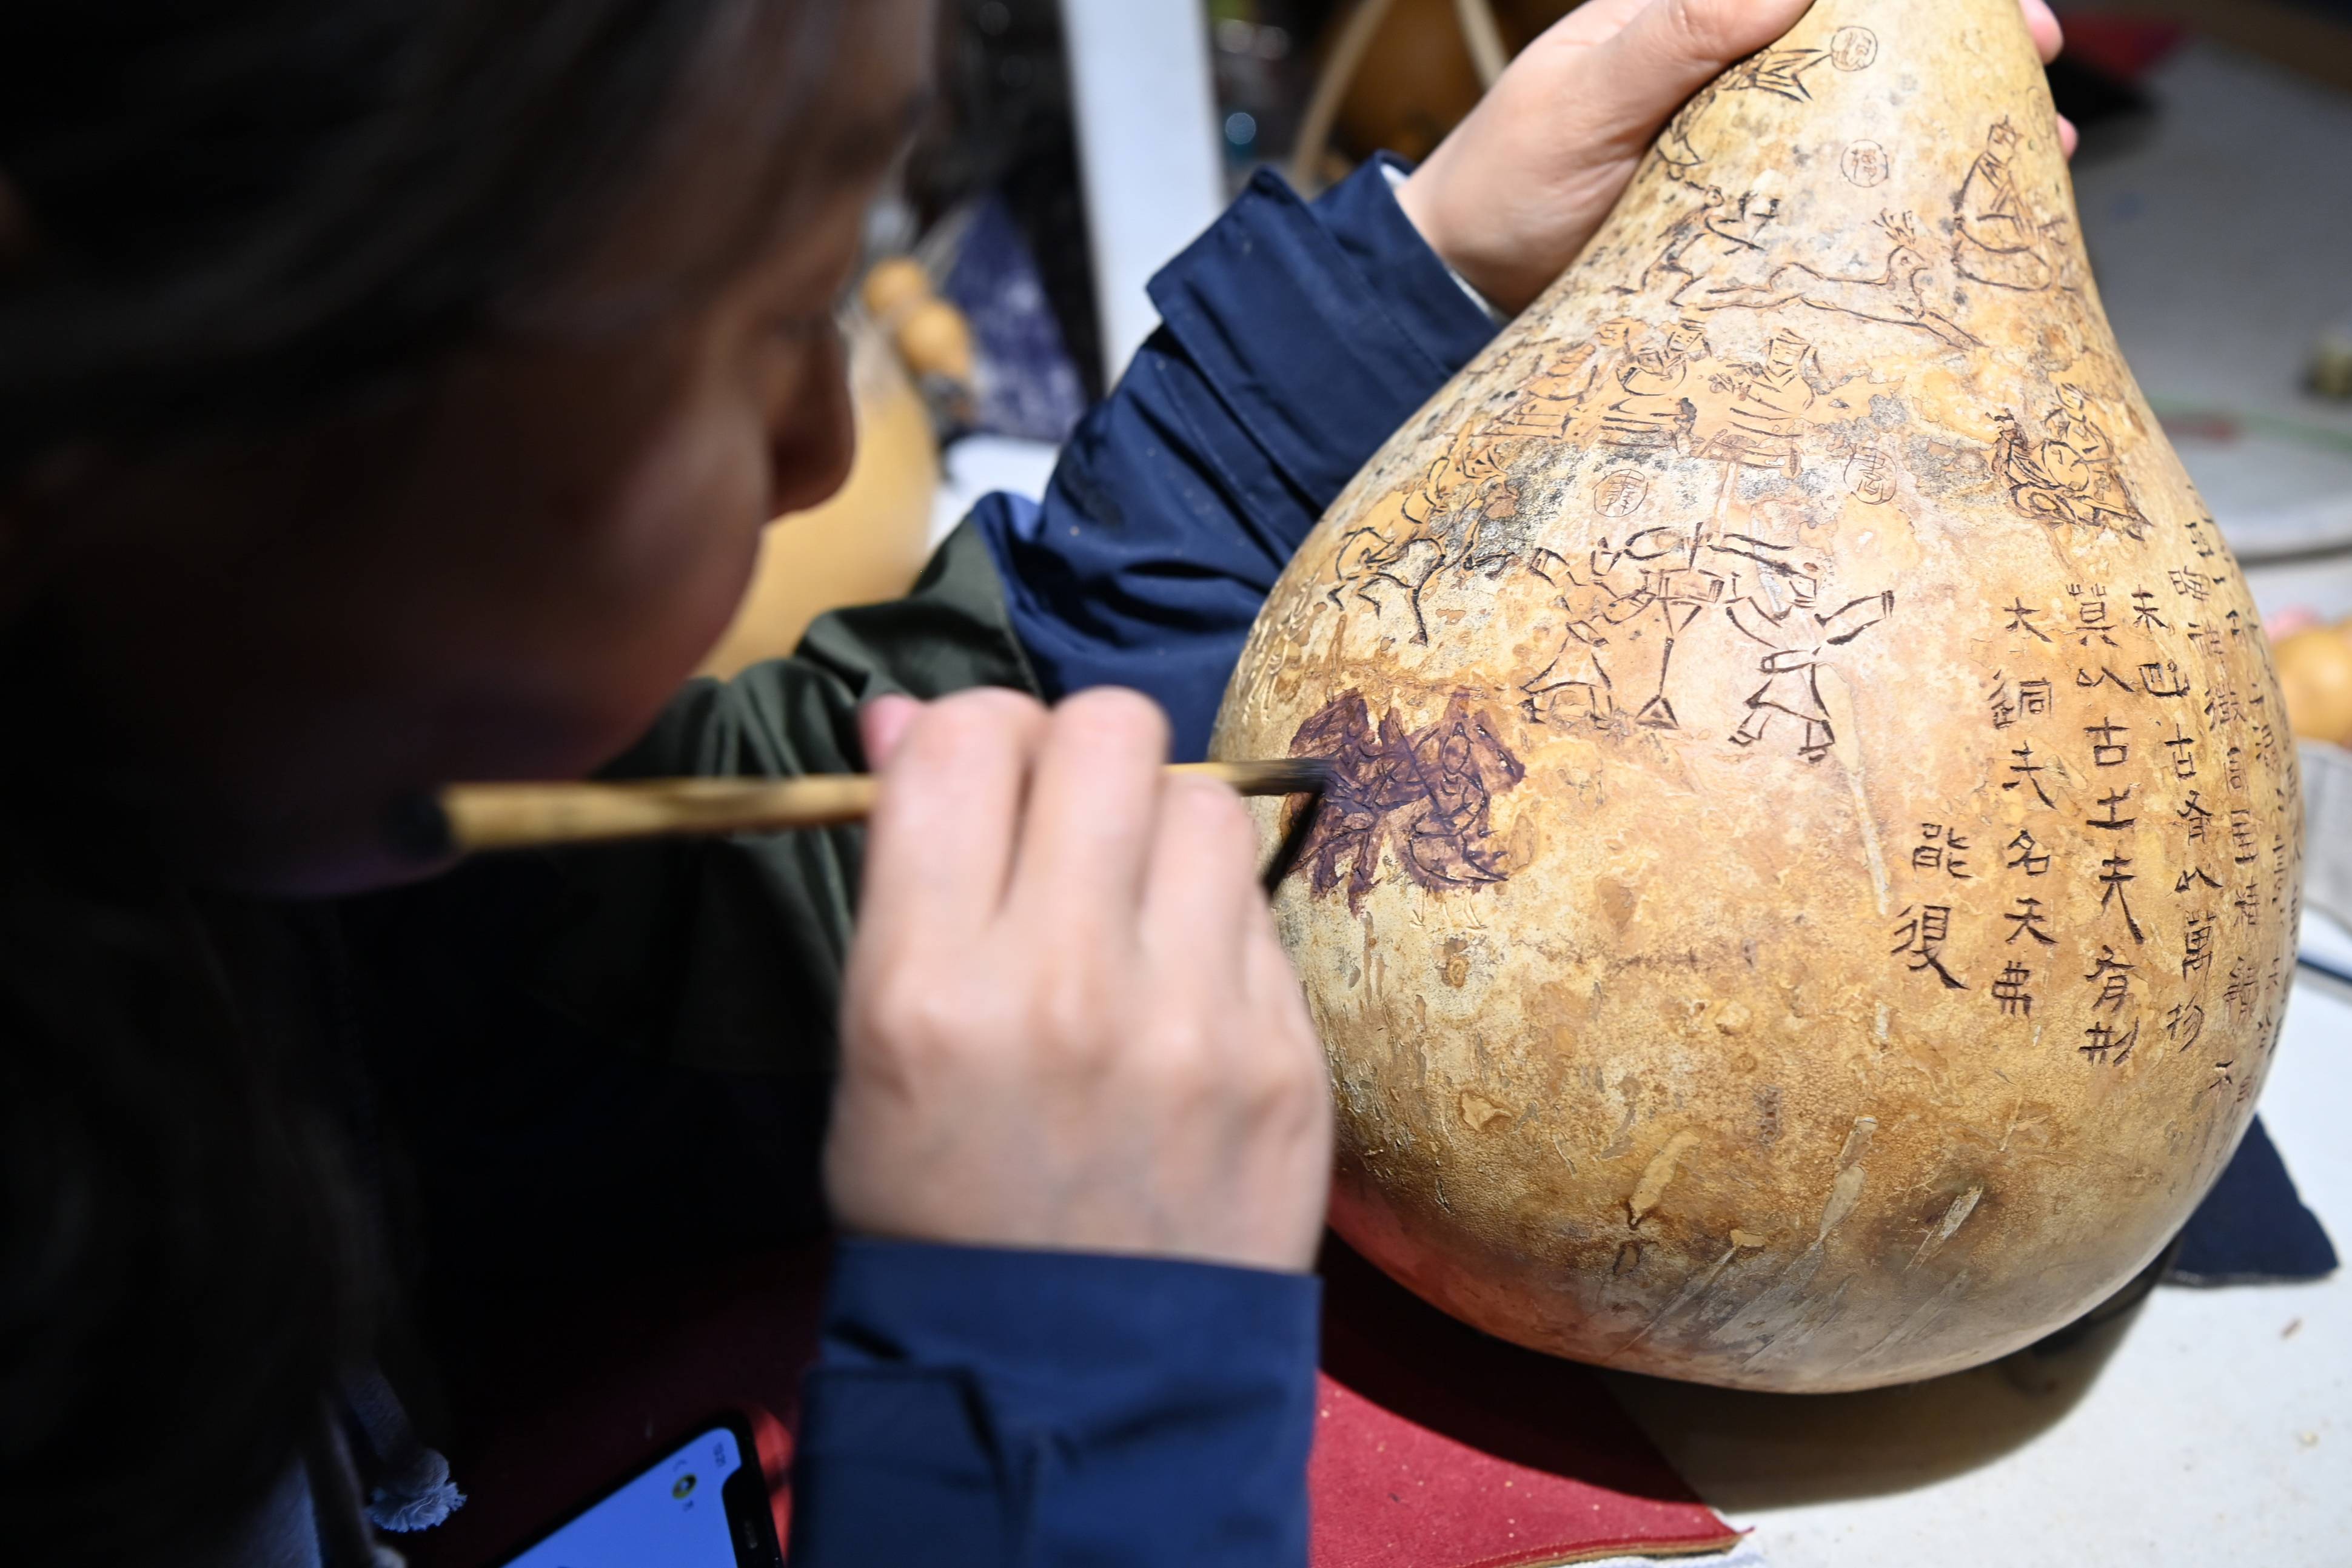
2214, 1427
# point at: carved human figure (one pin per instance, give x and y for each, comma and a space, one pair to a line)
1654, 413
1717, 246
1575, 677
1548, 404
1656, 590
1799, 638
1384, 570
1463, 492
2002, 241
1765, 428
2072, 477
1682, 156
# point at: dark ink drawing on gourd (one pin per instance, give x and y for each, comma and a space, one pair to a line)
1428, 793
2001, 239
2072, 475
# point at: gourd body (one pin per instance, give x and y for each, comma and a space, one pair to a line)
1809, 897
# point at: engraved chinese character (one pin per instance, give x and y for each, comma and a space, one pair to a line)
1922, 937
2027, 856
2108, 747
2026, 768
2191, 878
2113, 877
2084, 678
2221, 1083
2208, 639
2239, 995
2197, 947
2090, 615
2197, 814
2244, 847
2222, 705
2163, 679
2021, 619
2248, 902
2112, 976
2235, 624
2029, 920
2234, 770
2265, 745
2183, 747
2033, 698
1941, 849
2113, 805
2004, 711
2190, 584
2101, 1039
2144, 615
2009, 990
2197, 536
2185, 1023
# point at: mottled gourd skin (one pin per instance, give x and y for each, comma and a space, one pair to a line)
1809, 898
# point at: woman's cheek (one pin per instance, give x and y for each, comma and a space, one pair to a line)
684, 542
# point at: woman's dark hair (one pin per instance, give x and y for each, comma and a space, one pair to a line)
238, 212
228, 216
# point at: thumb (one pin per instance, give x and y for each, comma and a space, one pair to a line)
1671, 48
881, 725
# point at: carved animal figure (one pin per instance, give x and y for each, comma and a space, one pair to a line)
1893, 294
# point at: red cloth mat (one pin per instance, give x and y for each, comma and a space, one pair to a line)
1441, 1448
1438, 1447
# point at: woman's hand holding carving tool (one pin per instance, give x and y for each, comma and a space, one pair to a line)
1068, 1022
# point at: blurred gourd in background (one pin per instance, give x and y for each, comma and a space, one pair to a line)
2315, 669
1396, 74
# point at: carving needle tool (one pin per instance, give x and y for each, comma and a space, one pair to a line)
464, 819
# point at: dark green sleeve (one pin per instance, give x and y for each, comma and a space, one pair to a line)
727, 954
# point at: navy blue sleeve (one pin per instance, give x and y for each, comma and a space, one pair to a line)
1295, 339
1052, 1410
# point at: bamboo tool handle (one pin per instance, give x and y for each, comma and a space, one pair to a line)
467, 818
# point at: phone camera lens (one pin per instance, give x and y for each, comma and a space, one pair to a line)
682, 1487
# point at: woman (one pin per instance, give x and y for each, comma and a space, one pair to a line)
390, 391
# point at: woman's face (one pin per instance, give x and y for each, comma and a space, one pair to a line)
511, 577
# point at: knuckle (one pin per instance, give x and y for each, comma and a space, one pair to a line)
984, 720
1068, 1012
909, 1019
1286, 1079
1184, 1072
1113, 718
1179, 1044
1214, 818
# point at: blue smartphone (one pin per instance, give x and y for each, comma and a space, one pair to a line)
704, 1504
